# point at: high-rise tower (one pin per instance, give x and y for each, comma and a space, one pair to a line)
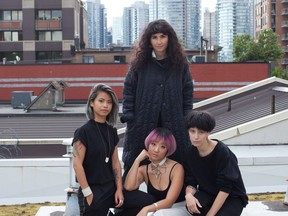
232, 18
184, 17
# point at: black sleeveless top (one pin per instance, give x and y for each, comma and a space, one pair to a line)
160, 195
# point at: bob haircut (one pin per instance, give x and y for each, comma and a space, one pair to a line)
113, 115
202, 120
166, 135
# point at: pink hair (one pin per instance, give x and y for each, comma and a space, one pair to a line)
166, 135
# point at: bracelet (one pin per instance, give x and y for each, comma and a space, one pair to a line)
193, 188
87, 191
156, 205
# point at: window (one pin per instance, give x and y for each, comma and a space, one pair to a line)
49, 56
57, 14
49, 35
119, 59
11, 36
11, 56
49, 14
88, 59
8, 15
56, 35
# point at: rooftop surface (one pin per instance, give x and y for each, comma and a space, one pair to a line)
54, 120
275, 208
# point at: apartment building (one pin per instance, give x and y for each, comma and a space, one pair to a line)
41, 31
273, 14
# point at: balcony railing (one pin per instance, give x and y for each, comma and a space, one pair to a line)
48, 24
10, 25
284, 37
284, 1
284, 11
284, 61
284, 24
285, 48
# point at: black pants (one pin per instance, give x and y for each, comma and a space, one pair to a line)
134, 201
231, 207
103, 199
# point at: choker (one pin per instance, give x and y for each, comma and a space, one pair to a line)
159, 169
161, 162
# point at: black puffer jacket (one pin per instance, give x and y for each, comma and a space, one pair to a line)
155, 92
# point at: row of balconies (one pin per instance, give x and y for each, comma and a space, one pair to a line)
284, 61
39, 25
284, 11
284, 24
285, 48
284, 37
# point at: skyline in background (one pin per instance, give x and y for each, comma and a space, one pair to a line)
116, 9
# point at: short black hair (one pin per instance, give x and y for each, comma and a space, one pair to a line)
202, 120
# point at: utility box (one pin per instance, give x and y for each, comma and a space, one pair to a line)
198, 58
21, 99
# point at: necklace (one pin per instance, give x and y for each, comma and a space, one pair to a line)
159, 169
105, 142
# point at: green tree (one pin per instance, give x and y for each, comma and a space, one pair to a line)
266, 48
241, 47
279, 72
269, 46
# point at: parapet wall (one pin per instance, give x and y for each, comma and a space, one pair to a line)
44, 180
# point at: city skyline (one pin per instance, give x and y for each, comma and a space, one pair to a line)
116, 10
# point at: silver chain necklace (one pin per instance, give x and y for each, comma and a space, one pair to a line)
104, 142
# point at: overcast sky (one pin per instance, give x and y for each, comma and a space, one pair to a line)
115, 7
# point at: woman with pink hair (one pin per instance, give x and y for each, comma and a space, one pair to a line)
164, 178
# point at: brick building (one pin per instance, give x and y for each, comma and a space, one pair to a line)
273, 14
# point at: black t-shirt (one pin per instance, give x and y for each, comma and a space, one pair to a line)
215, 172
94, 136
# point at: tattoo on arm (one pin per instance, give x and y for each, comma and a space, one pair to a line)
115, 171
76, 148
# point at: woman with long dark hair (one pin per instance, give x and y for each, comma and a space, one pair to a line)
158, 91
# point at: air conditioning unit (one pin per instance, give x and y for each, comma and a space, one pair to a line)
198, 58
21, 99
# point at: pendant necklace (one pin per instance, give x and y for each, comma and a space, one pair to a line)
105, 142
157, 169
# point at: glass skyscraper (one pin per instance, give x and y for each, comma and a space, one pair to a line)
232, 18
135, 18
184, 17
97, 24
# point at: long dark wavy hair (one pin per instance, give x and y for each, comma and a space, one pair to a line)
142, 52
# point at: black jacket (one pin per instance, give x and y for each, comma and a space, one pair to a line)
157, 92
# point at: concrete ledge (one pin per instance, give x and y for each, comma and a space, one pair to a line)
35, 162
262, 171
270, 208
261, 155
51, 210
